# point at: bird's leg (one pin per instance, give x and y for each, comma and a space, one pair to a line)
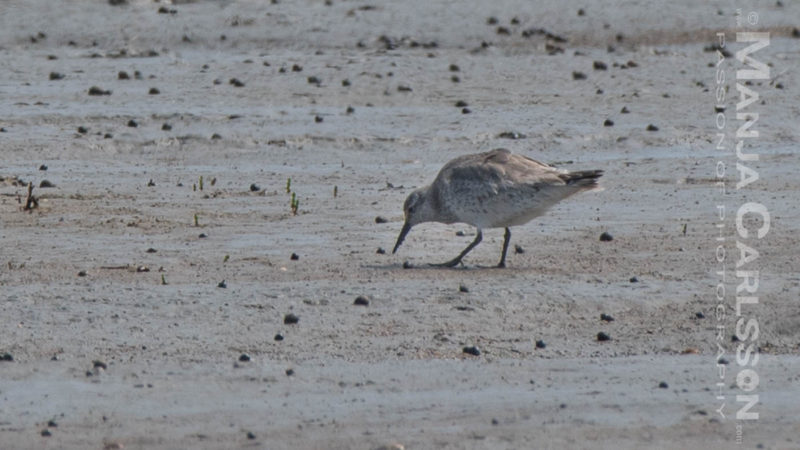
506, 239
453, 262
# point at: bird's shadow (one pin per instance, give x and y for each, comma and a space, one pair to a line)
431, 266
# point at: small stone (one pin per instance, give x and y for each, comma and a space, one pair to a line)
624, 110
495, 421
52, 424
222, 284
454, 68
97, 364
244, 357
540, 344
345, 83
361, 301
202, 235
602, 336
122, 75
461, 104
663, 385
318, 119
466, 111
313, 80
151, 183
278, 337
511, 135
462, 288
599, 65
606, 237
380, 219
6, 357
699, 315
294, 257
606, 317
297, 68
633, 279
723, 361
404, 88
46, 184
166, 127
94, 90
796, 33
235, 82
82, 273
581, 12
43, 167
407, 265
652, 127
251, 435
254, 188
350, 110
289, 372
216, 136
455, 79
380, 251
290, 319
578, 76
518, 249
153, 91
56, 76
46, 433
608, 123
133, 124
471, 350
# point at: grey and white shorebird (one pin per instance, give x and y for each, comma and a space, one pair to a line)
496, 189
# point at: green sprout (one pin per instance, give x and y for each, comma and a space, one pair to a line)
288, 185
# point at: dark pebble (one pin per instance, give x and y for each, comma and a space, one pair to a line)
244, 357
289, 372
601, 336
495, 421
491, 21
122, 75
108, 136
633, 280
455, 79
56, 76
624, 110
462, 288
631, 64
511, 135
297, 68
578, 76
236, 82
6, 357
290, 319
52, 424
202, 235
404, 88
599, 92
652, 127
82, 273
540, 344
723, 361
796, 33
251, 435
313, 80
349, 110
606, 317
472, 350
466, 111
94, 90
407, 265
83, 130
361, 301
99, 365
294, 257
46, 433
43, 167
222, 284
461, 104
345, 82
663, 385
318, 119
599, 65
153, 91
278, 337
132, 123
380, 219
581, 12
608, 123
606, 237
454, 68
380, 251
216, 136
166, 127
254, 188
700, 315
734, 338
518, 249
46, 184
503, 30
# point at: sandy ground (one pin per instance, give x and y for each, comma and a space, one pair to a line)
111, 305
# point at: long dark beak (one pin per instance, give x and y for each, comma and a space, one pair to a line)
403, 233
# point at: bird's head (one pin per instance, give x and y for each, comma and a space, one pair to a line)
417, 210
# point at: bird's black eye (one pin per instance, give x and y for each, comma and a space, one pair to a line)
410, 209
